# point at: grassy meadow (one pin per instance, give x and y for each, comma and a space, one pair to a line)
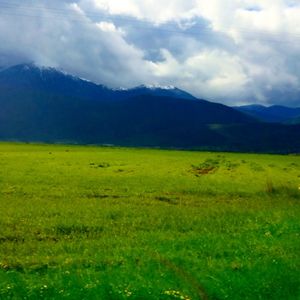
83, 222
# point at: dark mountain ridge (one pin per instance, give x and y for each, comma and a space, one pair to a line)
30, 76
271, 114
43, 104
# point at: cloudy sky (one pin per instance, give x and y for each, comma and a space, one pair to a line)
229, 51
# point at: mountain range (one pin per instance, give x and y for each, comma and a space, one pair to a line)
272, 114
47, 105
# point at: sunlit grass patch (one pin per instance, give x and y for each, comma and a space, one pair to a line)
112, 223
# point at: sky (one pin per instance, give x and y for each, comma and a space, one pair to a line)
230, 51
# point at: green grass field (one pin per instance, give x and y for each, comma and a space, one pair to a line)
115, 223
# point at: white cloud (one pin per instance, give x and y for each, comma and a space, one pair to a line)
210, 72
229, 51
156, 12
107, 26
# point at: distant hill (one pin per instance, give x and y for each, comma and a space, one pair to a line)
272, 114
47, 105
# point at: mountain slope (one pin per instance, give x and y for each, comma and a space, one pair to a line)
143, 120
294, 121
